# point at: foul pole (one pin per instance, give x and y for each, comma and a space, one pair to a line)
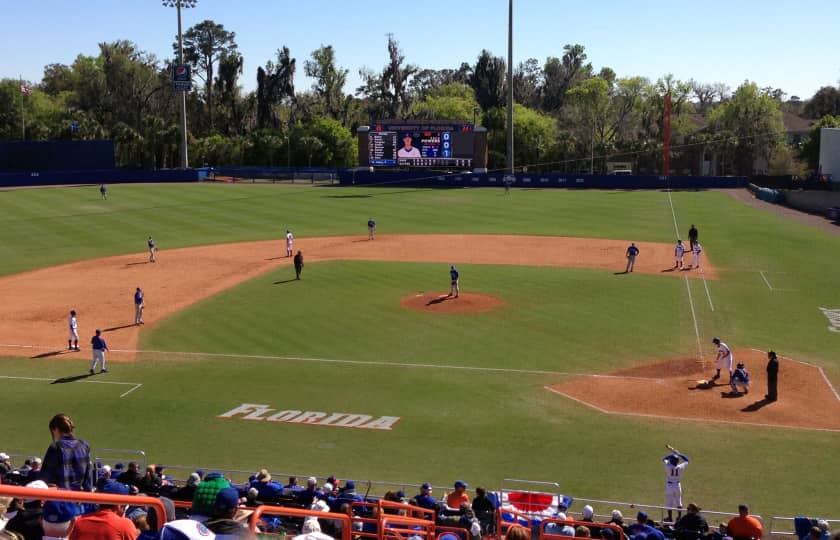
510, 164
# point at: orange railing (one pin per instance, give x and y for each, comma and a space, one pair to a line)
85, 497
393, 527
259, 511
619, 533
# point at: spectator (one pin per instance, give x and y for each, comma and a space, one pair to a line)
225, 508
588, 515
424, 499
692, 524
57, 519
109, 522
119, 468
35, 468
484, 510
825, 534
566, 529
205, 496
607, 534
67, 461
617, 518
458, 497
186, 492
5, 464
150, 483
582, 531
186, 529
347, 496
267, 490
140, 518
744, 526
311, 530
293, 484
104, 477
307, 496
152, 519
468, 521
518, 532
27, 521
131, 477
815, 533
642, 526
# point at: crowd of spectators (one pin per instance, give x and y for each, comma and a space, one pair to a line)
219, 508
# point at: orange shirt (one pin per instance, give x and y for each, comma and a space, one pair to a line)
103, 525
747, 527
455, 500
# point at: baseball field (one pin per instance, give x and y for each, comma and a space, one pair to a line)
552, 366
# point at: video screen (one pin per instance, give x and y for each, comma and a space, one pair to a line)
420, 148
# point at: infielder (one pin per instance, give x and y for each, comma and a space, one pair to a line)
99, 346
454, 278
152, 249
673, 476
290, 242
371, 228
632, 251
139, 304
73, 336
740, 379
696, 250
724, 359
679, 254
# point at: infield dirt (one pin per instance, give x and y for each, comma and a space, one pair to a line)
36, 304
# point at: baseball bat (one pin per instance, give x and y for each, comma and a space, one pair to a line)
671, 448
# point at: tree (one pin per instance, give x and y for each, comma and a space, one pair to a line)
561, 74
329, 80
449, 102
274, 84
387, 93
204, 45
527, 79
826, 102
488, 80
754, 120
426, 80
227, 88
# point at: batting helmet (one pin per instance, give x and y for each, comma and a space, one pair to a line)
716, 341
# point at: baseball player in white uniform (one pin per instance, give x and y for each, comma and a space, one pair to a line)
674, 470
696, 250
73, 336
723, 360
290, 241
679, 254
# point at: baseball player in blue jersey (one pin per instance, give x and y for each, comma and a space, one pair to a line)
454, 285
371, 228
152, 249
679, 254
139, 304
99, 346
73, 336
103, 191
632, 251
723, 359
740, 379
674, 470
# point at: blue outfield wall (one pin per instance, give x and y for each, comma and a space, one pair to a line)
100, 176
529, 180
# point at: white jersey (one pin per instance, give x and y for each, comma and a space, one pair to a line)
679, 250
673, 473
697, 249
724, 352
289, 238
73, 324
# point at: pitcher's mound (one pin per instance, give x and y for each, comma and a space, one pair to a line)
681, 388
437, 302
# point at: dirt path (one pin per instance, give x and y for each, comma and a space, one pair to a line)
36, 304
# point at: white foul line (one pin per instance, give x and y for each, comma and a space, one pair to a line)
134, 386
765, 280
673, 214
694, 318
708, 294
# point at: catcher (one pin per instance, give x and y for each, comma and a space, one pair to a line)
740, 379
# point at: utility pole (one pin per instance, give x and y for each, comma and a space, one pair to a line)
510, 163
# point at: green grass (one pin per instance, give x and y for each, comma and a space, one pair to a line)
479, 425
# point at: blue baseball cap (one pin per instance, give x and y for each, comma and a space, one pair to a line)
642, 515
350, 484
227, 499
426, 485
460, 483
60, 511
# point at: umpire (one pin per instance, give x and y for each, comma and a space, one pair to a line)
298, 260
772, 376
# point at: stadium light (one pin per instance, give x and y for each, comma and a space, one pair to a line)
178, 4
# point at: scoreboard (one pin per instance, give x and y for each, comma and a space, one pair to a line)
420, 145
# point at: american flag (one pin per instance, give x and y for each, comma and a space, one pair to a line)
25, 90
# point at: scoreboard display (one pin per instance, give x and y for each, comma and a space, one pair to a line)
419, 145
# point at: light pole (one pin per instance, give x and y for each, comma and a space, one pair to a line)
510, 164
178, 4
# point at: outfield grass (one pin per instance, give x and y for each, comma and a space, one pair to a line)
479, 425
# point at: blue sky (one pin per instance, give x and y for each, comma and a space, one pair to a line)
791, 45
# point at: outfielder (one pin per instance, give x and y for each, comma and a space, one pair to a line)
73, 336
696, 250
99, 346
632, 251
740, 379
371, 228
290, 241
139, 304
673, 476
152, 249
454, 281
679, 254
724, 359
